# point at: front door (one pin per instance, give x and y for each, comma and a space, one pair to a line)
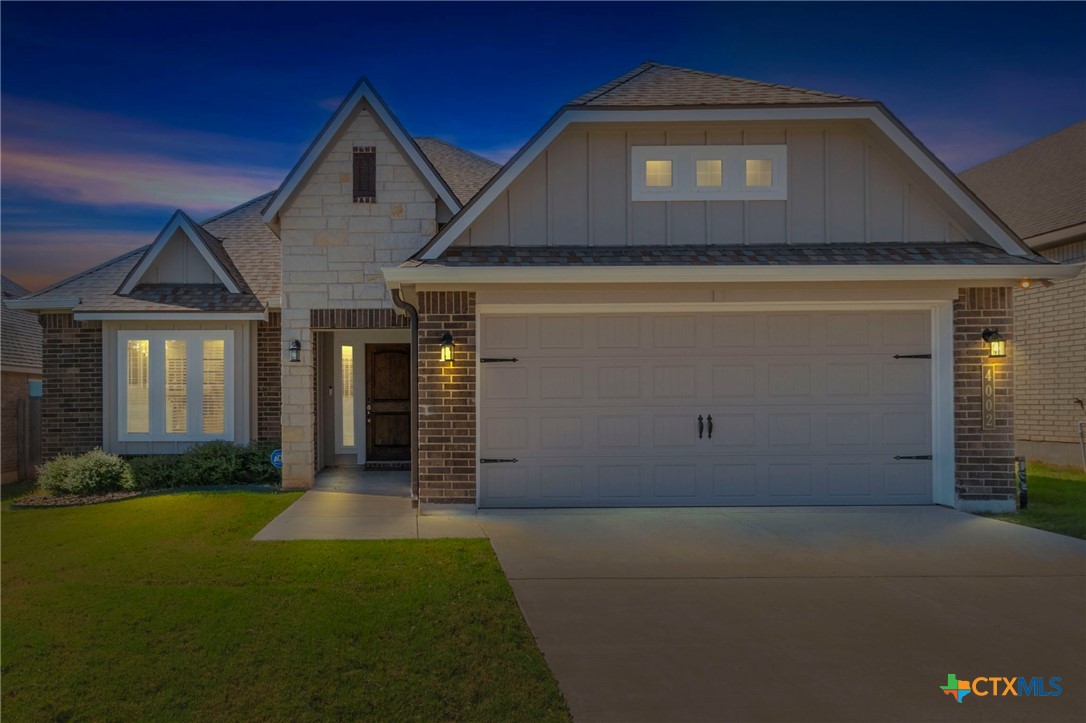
388, 401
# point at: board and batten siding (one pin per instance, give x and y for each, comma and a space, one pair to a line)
179, 262
244, 382
843, 186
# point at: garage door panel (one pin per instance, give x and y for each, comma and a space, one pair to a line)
601, 410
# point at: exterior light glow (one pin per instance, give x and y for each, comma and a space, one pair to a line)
1025, 283
447, 347
295, 351
997, 345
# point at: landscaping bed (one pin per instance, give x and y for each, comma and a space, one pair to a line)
163, 608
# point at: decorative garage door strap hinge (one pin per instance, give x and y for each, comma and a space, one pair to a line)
494, 359
912, 356
912, 456
497, 460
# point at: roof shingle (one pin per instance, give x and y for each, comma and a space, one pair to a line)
1039, 187
655, 84
465, 172
20, 332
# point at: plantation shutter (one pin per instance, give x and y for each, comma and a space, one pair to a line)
365, 174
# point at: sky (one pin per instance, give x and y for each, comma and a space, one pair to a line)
115, 114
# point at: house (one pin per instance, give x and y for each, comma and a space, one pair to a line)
20, 381
1040, 191
685, 289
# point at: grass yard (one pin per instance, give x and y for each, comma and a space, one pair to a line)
161, 608
1057, 501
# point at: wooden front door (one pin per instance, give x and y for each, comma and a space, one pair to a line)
388, 402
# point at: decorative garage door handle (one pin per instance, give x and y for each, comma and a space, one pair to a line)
701, 426
912, 456
710, 420
497, 460
912, 356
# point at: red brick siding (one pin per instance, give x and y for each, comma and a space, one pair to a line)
446, 398
13, 387
269, 386
71, 417
984, 459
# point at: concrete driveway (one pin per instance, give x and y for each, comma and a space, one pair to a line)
817, 614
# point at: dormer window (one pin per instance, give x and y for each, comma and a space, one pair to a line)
709, 173
364, 162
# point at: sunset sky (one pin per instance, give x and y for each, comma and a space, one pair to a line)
114, 115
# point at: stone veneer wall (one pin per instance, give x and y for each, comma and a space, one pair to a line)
1050, 370
985, 473
446, 398
269, 397
333, 252
71, 416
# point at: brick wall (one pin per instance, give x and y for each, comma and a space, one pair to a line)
446, 398
71, 417
269, 397
1050, 369
13, 387
984, 475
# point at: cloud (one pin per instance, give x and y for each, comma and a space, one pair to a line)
120, 179
962, 144
67, 253
499, 154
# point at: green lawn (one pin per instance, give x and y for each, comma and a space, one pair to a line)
161, 608
1057, 501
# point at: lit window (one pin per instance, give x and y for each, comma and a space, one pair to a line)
138, 412
658, 174
710, 174
347, 400
175, 385
177, 400
759, 173
214, 386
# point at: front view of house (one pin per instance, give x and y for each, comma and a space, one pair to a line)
686, 289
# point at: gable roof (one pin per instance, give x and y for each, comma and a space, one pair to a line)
668, 106
20, 332
362, 92
209, 246
1040, 187
464, 171
243, 238
656, 84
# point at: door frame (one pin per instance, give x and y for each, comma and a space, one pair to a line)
358, 339
942, 359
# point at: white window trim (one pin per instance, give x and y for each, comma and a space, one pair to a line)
194, 385
684, 176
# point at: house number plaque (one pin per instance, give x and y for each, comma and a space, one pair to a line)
987, 396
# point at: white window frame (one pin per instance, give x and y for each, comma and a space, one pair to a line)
194, 384
684, 176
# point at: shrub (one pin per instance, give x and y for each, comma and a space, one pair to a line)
210, 464
95, 472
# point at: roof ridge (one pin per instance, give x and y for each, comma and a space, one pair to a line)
616, 83
750, 80
458, 148
240, 206
89, 271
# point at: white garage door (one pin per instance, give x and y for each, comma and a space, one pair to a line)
636, 410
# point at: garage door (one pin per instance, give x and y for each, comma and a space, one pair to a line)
637, 410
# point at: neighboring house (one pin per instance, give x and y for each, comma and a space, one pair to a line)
1040, 191
686, 289
20, 376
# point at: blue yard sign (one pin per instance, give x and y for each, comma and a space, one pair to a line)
277, 459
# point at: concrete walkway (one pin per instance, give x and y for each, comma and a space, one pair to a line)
347, 503
817, 614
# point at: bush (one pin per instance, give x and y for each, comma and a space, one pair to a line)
210, 464
88, 474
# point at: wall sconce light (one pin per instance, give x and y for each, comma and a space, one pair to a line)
447, 347
1025, 283
997, 345
295, 351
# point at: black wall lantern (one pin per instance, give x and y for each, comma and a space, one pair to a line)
295, 351
447, 347
997, 345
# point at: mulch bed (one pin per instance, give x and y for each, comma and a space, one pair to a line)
31, 501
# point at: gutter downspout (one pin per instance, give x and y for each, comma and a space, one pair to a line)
413, 314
